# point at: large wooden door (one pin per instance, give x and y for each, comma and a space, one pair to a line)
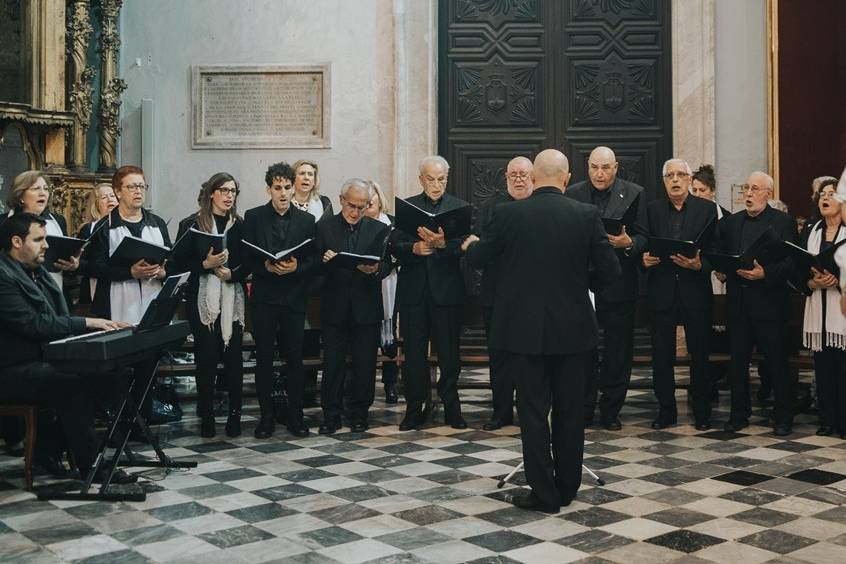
518, 76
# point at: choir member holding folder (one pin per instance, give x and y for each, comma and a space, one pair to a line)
430, 292
215, 296
279, 293
679, 291
758, 301
824, 330
101, 201
352, 248
622, 205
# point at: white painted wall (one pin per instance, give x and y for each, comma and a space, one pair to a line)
741, 92
162, 39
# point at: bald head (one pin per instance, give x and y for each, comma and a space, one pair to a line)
602, 168
551, 168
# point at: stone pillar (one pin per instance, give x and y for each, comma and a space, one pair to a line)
110, 85
79, 28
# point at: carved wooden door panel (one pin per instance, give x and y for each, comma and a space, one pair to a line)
517, 76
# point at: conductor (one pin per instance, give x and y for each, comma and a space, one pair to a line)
549, 329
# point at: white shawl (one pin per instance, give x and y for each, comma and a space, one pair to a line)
389, 294
128, 299
217, 298
815, 336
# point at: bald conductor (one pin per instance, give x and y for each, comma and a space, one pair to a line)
543, 248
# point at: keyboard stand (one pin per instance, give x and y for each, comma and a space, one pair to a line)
163, 461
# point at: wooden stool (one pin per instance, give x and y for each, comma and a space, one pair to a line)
30, 415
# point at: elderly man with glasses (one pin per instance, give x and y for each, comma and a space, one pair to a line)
430, 296
758, 304
679, 292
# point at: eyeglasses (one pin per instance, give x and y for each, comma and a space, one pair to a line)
233, 191
518, 175
137, 187
430, 180
671, 175
747, 189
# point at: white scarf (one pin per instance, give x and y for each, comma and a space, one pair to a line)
128, 299
717, 288
389, 294
216, 298
834, 334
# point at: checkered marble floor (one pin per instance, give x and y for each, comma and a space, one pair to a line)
676, 495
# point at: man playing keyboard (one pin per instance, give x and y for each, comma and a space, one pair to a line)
32, 313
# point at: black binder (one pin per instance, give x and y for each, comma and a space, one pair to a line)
805, 259
766, 249
299, 251
350, 261
61, 247
455, 223
664, 248
132, 249
202, 242
614, 225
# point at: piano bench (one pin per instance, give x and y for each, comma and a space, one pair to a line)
30, 415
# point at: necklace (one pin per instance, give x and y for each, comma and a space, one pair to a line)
299, 206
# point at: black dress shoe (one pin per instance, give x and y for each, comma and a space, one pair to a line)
663, 422
413, 418
612, 424
301, 431
358, 427
733, 426
207, 429
531, 502
265, 429
456, 422
825, 430
329, 427
703, 425
391, 393
233, 423
495, 424
783, 430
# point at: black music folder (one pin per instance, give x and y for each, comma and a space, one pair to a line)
132, 249
161, 310
203, 241
767, 248
805, 259
455, 222
350, 261
614, 225
664, 248
299, 251
61, 247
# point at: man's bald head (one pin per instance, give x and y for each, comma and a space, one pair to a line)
602, 168
551, 168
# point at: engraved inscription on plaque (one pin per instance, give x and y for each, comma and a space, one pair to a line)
260, 106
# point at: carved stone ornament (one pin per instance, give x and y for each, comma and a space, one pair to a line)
81, 99
110, 120
110, 38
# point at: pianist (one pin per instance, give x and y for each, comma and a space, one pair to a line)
32, 313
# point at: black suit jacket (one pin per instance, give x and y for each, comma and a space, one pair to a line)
544, 248
31, 313
483, 223
438, 273
345, 291
767, 299
623, 193
665, 279
289, 289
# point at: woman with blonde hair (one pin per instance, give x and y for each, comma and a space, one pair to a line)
101, 201
307, 190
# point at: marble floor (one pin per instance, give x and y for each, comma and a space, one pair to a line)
676, 495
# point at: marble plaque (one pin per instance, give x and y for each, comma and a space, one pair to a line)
260, 107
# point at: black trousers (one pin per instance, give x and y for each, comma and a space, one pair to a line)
441, 324
614, 371
269, 322
697, 327
71, 395
208, 352
830, 370
555, 382
361, 342
502, 379
390, 370
769, 337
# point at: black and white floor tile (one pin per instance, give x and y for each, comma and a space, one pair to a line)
675, 495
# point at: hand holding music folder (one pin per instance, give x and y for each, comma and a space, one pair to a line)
202, 242
614, 226
805, 260
299, 251
664, 248
133, 249
767, 248
61, 247
455, 222
351, 261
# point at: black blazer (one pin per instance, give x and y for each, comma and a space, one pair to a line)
289, 289
98, 257
623, 193
84, 271
440, 272
31, 313
483, 223
544, 248
344, 290
665, 279
767, 299
186, 260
